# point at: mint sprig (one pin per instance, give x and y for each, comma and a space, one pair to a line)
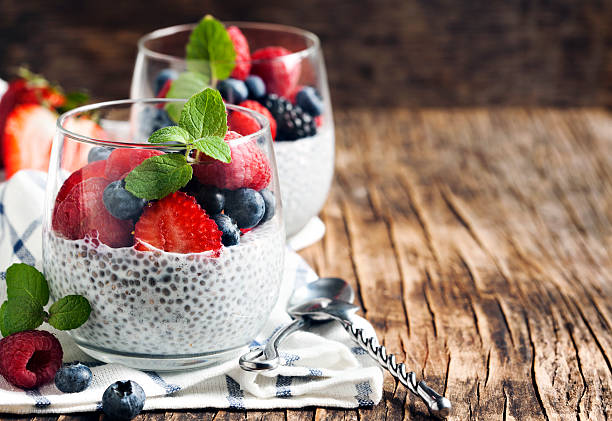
28, 293
186, 85
202, 126
210, 50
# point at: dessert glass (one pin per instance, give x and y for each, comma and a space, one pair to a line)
306, 165
153, 309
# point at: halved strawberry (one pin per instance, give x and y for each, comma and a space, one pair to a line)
28, 136
83, 213
177, 224
121, 161
243, 53
280, 74
244, 124
95, 169
75, 153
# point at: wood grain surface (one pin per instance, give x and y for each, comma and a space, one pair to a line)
480, 244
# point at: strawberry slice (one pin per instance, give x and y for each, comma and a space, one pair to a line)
122, 161
28, 136
243, 53
95, 169
245, 124
280, 75
177, 224
83, 213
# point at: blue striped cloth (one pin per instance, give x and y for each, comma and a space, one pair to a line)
322, 367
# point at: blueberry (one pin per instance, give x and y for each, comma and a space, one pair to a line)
308, 98
211, 199
270, 202
123, 400
245, 206
152, 119
98, 153
121, 203
231, 233
232, 90
256, 87
73, 378
162, 77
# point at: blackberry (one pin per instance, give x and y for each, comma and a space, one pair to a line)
292, 122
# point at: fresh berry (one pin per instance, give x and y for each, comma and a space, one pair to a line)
245, 206
153, 119
211, 199
162, 79
123, 400
121, 203
256, 106
95, 169
242, 123
280, 75
99, 153
121, 161
233, 91
308, 98
270, 202
73, 378
243, 53
256, 87
28, 135
230, 232
249, 167
177, 224
318, 120
75, 154
292, 122
83, 213
30, 359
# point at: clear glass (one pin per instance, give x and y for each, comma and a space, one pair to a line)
152, 309
306, 165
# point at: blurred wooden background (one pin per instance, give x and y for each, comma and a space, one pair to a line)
378, 52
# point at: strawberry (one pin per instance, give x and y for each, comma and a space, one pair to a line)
122, 161
280, 75
245, 125
74, 155
28, 136
243, 53
249, 167
177, 224
83, 213
95, 169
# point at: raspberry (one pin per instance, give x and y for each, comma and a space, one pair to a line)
243, 53
255, 106
280, 75
249, 167
121, 161
30, 359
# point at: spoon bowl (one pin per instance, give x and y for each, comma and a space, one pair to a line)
324, 309
335, 288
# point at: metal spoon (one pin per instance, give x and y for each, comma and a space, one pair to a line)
267, 358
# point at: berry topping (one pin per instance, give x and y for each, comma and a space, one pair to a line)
162, 79
249, 167
95, 169
152, 119
245, 206
73, 378
210, 198
270, 202
255, 106
230, 232
98, 153
83, 213
243, 53
121, 161
177, 224
123, 400
280, 75
121, 203
308, 98
233, 91
256, 87
30, 359
292, 122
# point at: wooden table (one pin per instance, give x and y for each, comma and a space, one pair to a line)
480, 244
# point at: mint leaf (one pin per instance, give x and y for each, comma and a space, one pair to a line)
25, 281
3, 330
21, 313
215, 147
186, 85
170, 134
159, 176
210, 46
69, 313
204, 115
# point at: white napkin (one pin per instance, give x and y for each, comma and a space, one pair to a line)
322, 369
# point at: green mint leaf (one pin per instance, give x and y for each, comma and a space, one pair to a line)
204, 115
170, 134
69, 313
215, 147
25, 281
3, 330
187, 84
73, 100
209, 43
159, 176
21, 313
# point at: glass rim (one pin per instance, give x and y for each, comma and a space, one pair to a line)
171, 30
261, 119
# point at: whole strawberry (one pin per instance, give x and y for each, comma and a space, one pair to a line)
280, 73
243, 53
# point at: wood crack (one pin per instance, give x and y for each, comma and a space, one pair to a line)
534, 382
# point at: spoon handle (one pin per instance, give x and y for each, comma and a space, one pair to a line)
438, 405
